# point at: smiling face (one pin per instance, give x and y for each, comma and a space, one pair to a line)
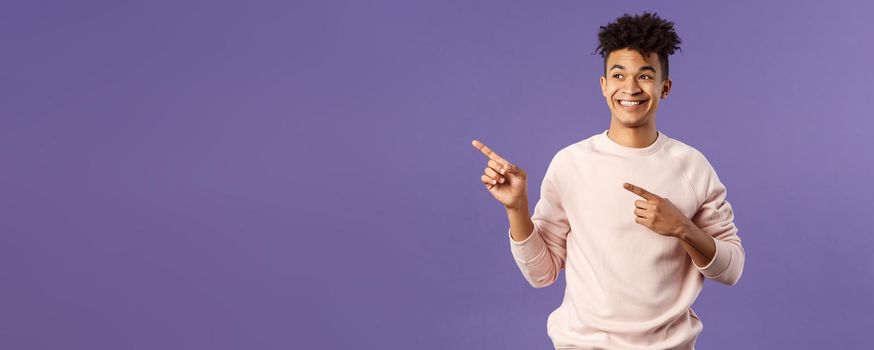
633, 87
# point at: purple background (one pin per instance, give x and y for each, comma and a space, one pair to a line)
221, 175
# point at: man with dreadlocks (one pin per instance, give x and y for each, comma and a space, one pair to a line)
637, 219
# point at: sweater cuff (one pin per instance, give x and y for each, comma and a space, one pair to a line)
529, 249
721, 259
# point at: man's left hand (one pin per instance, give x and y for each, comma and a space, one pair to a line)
657, 213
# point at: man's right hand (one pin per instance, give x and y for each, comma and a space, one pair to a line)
504, 180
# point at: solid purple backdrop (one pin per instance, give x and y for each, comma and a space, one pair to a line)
184, 175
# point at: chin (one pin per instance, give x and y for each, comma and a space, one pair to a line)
631, 121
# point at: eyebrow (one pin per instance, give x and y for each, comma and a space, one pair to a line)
650, 68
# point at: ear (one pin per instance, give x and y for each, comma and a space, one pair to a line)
666, 88
603, 86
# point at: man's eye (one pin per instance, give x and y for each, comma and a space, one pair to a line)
617, 76
646, 76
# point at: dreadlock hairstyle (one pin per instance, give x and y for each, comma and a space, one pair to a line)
645, 33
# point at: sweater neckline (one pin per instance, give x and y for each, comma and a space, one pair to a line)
614, 147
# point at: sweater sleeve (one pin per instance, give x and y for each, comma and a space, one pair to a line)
541, 256
716, 218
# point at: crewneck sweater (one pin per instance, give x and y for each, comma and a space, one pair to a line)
627, 287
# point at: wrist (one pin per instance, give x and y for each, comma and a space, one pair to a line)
684, 231
521, 204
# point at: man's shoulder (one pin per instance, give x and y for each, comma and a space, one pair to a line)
687, 153
696, 167
577, 148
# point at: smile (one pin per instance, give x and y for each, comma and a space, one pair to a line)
628, 103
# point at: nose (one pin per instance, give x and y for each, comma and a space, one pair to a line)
631, 88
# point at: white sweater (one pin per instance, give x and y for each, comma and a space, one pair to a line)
627, 286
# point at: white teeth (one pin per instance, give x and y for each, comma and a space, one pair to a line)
630, 103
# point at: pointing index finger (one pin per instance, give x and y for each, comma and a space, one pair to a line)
487, 151
640, 192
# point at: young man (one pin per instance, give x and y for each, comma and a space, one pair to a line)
637, 219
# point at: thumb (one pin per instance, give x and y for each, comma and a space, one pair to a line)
512, 169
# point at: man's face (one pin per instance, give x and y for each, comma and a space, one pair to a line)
636, 81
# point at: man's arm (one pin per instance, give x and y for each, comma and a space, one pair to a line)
699, 245
521, 225
710, 236
538, 242
710, 231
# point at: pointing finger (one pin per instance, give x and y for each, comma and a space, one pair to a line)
488, 152
640, 192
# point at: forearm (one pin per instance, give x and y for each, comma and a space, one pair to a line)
521, 225
699, 245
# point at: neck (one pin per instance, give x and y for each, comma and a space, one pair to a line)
637, 137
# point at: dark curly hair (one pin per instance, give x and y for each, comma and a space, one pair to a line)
645, 33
